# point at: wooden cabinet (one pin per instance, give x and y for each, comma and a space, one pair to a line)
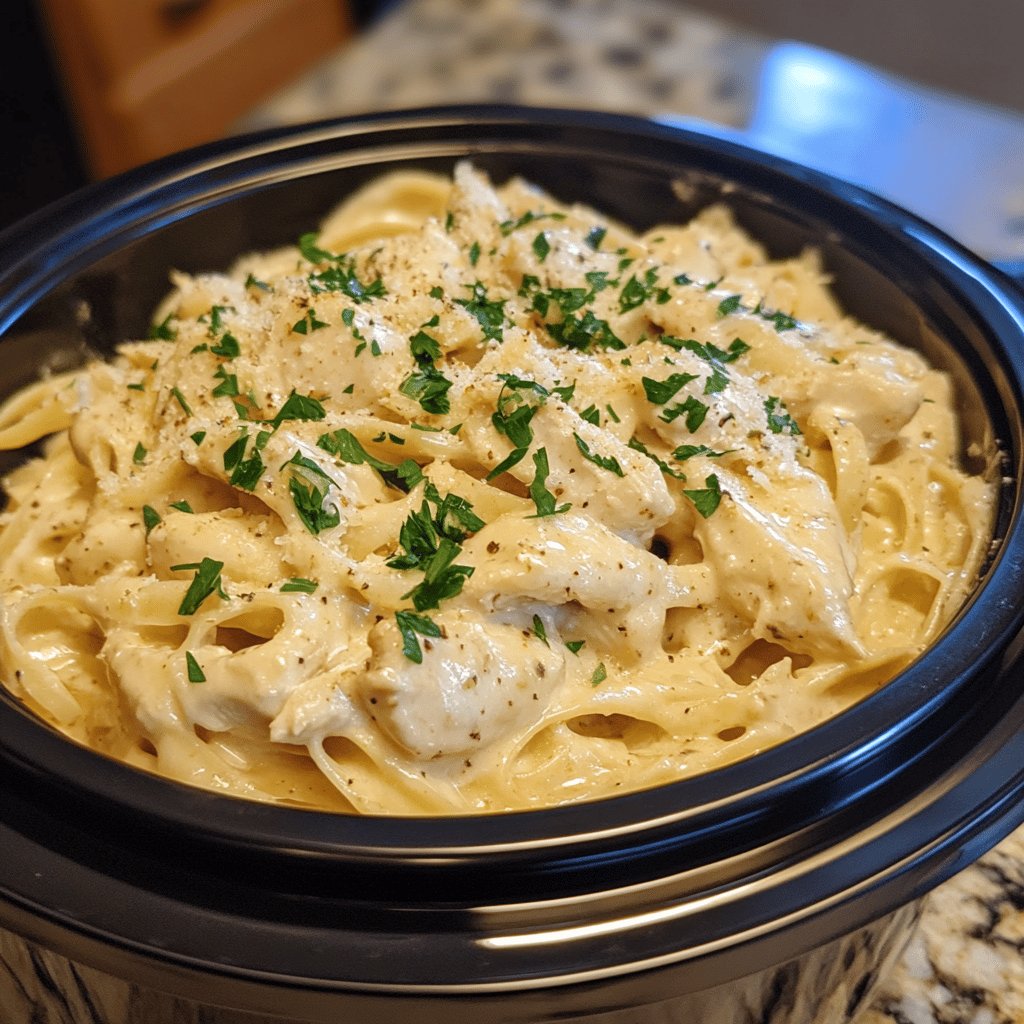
148, 77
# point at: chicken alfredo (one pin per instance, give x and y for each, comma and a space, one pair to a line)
475, 501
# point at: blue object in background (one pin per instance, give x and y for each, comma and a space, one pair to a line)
957, 163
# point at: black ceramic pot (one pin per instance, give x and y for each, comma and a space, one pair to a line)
774, 889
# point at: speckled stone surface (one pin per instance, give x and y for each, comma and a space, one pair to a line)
966, 963
634, 57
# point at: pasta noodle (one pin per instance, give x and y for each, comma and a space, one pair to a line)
478, 501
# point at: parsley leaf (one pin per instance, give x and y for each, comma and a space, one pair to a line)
688, 451
163, 331
345, 445
541, 247
600, 675
299, 585
488, 313
311, 251
308, 323
409, 624
779, 421
150, 518
309, 504
605, 462
636, 292
229, 383
584, 331
227, 346
661, 391
543, 499
707, 498
139, 455
205, 582
729, 305
539, 631
508, 226
342, 278
637, 445
693, 409
193, 669
299, 407
245, 472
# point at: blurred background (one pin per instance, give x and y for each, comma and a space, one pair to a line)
920, 100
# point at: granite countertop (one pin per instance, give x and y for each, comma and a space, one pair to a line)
966, 963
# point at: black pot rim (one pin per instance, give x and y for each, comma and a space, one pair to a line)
854, 765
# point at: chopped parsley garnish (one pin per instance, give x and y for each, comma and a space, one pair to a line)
137, 387
543, 499
252, 281
193, 669
427, 385
779, 320
163, 331
707, 350
308, 323
688, 451
600, 674
508, 226
299, 407
205, 582
214, 321
592, 415
474, 254
299, 585
227, 347
693, 409
228, 386
342, 278
488, 313
603, 461
729, 305
541, 247
345, 445
636, 292
707, 498
716, 382
575, 645
182, 506
245, 472
518, 402
661, 391
539, 631
779, 421
409, 624
180, 399
595, 236
584, 331
139, 455
311, 251
637, 445
431, 540
150, 518
309, 500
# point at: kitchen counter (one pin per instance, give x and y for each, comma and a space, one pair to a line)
966, 963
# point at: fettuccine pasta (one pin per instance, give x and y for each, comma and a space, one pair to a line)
476, 501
